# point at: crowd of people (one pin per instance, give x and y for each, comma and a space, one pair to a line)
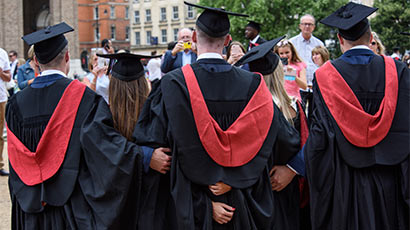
211, 134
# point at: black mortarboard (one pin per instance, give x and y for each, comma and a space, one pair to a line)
127, 67
48, 42
214, 21
261, 58
351, 20
255, 25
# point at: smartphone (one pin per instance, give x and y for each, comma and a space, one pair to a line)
284, 61
187, 45
101, 62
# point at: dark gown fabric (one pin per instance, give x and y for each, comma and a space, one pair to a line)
344, 196
97, 185
167, 120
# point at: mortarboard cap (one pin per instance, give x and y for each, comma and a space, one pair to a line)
214, 21
261, 58
351, 20
255, 25
128, 67
48, 42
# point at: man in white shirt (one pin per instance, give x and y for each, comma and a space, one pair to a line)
13, 72
304, 44
154, 68
5, 76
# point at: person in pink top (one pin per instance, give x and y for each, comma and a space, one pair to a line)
295, 69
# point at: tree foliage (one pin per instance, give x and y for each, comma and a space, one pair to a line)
279, 17
392, 18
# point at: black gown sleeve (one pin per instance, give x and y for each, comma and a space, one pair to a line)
111, 170
151, 128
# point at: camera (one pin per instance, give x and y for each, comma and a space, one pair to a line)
284, 61
187, 45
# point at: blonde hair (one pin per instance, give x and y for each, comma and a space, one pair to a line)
30, 52
380, 47
324, 53
275, 82
295, 56
126, 100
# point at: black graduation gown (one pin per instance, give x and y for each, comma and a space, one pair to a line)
344, 196
166, 120
96, 186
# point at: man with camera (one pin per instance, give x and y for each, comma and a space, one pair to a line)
183, 53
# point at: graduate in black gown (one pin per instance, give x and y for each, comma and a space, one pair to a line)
127, 93
285, 183
223, 127
69, 168
252, 30
357, 153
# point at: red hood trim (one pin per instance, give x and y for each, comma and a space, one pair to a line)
35, 168
240, 143
359, 128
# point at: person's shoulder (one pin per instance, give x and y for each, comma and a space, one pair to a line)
294, 38
245, 73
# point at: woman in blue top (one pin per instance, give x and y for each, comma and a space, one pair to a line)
26, 72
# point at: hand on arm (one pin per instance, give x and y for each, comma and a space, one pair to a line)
219, 188
280, 177
160, 161
222, 213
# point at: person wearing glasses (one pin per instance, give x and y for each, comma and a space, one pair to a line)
304, 43
376, 45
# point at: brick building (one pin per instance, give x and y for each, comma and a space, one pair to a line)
101, 19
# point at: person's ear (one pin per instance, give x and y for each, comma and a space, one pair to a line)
227, 39
194, 37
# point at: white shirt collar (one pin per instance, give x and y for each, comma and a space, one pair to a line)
209, 55
255, 39
52, 71
360, 47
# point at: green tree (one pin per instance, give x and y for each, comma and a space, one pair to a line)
279, 17
392, 18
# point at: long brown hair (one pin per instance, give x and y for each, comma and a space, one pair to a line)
275, 83
126, 100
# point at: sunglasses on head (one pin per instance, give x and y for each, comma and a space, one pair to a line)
373, 43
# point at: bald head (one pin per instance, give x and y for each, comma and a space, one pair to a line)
185, 35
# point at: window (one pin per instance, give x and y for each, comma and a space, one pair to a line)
190, 12
175, 12
127, 10
112, 32
96, 12
164, 36
112, 12
163, 14
137, 16
136, 1
148, 15
175, 34
97, 34
127, 33
137, 38
148, 37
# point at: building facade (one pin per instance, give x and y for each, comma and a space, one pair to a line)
103, 19
155, 23
20, 17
